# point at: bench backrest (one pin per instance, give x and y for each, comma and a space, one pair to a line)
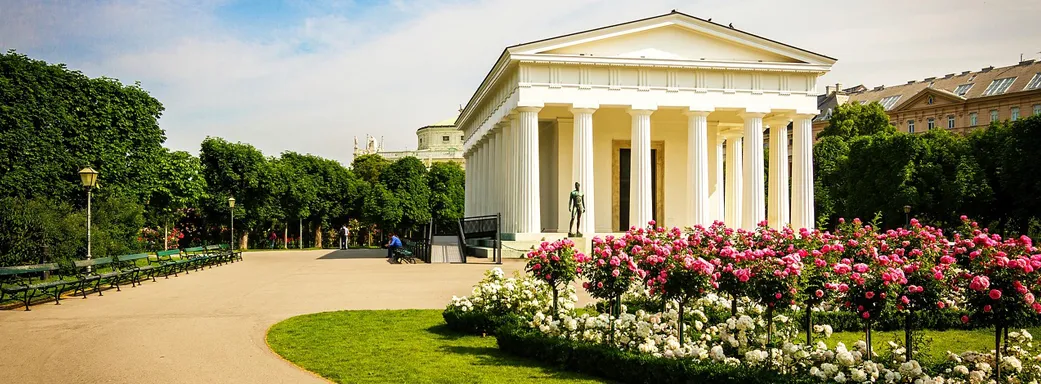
194, 249
101, 261
213, 247
135, 257
168, 253
24, 269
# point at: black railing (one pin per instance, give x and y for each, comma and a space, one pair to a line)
419, 242
481, 227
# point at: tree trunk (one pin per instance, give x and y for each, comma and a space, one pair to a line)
997, 349
907, 335
867, 333
318, 236
809, 326
244, 241
681, 322
733, 306
285, 237
166, 236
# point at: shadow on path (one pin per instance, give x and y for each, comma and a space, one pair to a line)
354, 254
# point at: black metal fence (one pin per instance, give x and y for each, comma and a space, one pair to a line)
418, 242
476, 228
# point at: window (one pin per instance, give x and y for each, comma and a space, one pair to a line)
910, 126
1014, 112
930, 101
1035, 82
963, 89
889, 102
460, 137
950, 122
999, 86
1037, 109
445, 138
972, 119
931, 123
993, 115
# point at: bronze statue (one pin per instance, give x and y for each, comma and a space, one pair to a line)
577, 205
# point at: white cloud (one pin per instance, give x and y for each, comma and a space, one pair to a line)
386, 71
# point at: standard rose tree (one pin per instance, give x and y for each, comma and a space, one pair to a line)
555, 263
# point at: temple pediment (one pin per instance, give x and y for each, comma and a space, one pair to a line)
673, 36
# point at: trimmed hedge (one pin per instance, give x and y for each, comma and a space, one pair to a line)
477, 323
628, 367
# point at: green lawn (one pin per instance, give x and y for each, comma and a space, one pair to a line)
938, 342
407, 346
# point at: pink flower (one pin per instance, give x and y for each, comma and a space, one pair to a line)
578, 269
585, 285
1028, 298
537, 267
995, 294
1036, 306
549, 277
869, 295
964, 319
905, 300
777, 296
600, 285
866, 315
986, 308
819, 293
614, 273
941, 304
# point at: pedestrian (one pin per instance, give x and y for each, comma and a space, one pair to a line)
343, 236
393, 245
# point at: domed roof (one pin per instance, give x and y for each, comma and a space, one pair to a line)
446, 122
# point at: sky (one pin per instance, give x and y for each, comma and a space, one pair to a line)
309, 76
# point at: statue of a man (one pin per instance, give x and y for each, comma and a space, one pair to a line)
577, 205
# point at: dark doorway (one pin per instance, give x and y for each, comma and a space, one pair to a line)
624, 181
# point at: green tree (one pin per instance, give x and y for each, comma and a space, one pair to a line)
60, 121
829, 154
446, 182
853, 119
178, 185
241, 171
407, 179
381, 207
369, 167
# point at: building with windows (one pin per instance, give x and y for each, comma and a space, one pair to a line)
639, 114
437, 142
957, 102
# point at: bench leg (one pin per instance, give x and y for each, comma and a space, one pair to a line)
57, 294
97, 287
27, 297
116, 282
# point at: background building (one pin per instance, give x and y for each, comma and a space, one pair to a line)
957, 102
437, 142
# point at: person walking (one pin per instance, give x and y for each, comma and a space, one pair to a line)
344, 232
393, 245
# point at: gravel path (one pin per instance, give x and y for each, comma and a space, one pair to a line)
209, 326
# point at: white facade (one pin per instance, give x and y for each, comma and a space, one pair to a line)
659, 119
436, 143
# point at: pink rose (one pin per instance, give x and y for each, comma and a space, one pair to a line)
600, 285
777, 296
819, 293
869, 295
905, 300
941, 304
986, 308
995, 294
866, 315
964, 319
585, 285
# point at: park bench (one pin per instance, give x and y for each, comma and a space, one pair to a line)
165, 260
198, 256
128, 264
232, 254
94, 271
20, 280
219, 254
403, 254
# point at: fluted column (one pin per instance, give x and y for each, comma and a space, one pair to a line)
802, 172
466, 185
530, 216
479, 190
734, 195
754, 188
508, 171
640, 169
582, 163
779, 204
697, 168
715, 173
497, 179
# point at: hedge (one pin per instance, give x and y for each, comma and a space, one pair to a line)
476, 322
611, 363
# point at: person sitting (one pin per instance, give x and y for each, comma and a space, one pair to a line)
393, 245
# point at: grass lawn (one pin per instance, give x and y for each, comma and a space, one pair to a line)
406, 346
938, 342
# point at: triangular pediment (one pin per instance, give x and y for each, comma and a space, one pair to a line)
673, 36
929, 98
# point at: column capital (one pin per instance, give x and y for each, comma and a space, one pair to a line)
643, 111
731, 132
804, 115
751, 114
593, 106
575, 110
529, 108
698, 112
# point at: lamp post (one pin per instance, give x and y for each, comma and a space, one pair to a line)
907, 216
89, 179
231, 204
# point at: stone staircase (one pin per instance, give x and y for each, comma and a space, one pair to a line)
517, 249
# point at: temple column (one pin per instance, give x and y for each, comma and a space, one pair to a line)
508, 175
496, 163
530, 215
697, 169
715, 173
467, 187
779, 204
732, 201
754, 188
582, 163
802, 171
640, 169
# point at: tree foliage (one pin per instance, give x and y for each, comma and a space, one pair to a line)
446, 182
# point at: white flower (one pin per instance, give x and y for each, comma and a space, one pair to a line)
858, 375
717, 353
840, 377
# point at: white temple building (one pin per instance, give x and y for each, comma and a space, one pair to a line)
642, 114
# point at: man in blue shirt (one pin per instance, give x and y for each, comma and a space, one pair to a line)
393, 245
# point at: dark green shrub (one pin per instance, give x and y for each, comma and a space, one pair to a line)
628, 367
477, 323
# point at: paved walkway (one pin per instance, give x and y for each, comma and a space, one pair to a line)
209, 327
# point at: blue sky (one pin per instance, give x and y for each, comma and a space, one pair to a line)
309, 76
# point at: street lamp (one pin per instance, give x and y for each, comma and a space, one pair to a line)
231, 204
907, 216
89, 179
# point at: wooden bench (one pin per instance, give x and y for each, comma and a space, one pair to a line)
198, 256
94, 271
20, 280
232, 254
165, 261
219, 254
128, 264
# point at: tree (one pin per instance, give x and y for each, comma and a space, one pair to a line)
446, 181
853, 119
829, 154
381, 207
369, 167
177, 185
241, 171
406, 179
60, 121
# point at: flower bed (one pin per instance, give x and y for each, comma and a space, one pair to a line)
854, 278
